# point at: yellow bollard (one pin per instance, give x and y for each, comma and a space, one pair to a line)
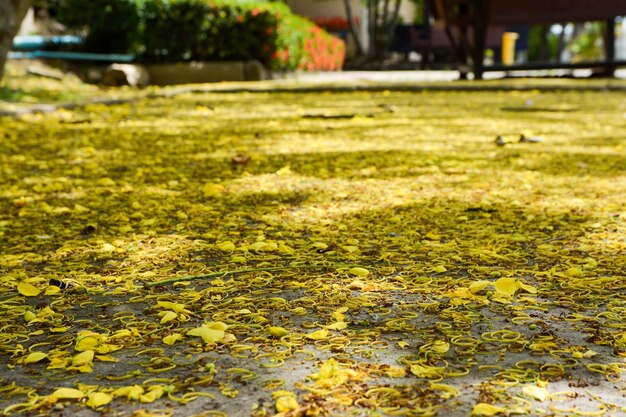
508, 47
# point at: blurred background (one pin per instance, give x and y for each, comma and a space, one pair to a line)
471, 36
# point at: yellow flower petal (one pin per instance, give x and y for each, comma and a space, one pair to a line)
528, 288
34, 357
438, 346
210, 189
98, 399
168, 316
506, 286
83, 358
52, 290
286, 404
426, 371
589, 354
318, 335
88, 340
226, 246
29, 316
58, 363
67, 394
106, 358
154, 394
86, 368
217, 325
277, 331
574, 273
359, 271
131, 393
395, 372
207, 334
62, 329
535, 392
108, 348
483, 409
478, 286
28, 290
171, 339
449, 390
590, 263
176, 307
340, 325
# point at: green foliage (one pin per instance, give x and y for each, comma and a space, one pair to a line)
419, 14
180, 30
536, 40
114, 26
241, 33
588, 45
166, 23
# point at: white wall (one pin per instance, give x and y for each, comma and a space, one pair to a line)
620, 41
28, 24
323, 8
333, 8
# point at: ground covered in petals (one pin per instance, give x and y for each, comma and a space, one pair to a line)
316, 253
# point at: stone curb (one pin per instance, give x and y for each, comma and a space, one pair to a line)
290, 87
193, 72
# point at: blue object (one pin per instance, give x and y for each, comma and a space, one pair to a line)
78, 56
33, 42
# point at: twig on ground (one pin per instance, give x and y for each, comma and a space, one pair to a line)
552, 239
236, 272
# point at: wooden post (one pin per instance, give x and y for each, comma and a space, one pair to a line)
479, 22
609, 47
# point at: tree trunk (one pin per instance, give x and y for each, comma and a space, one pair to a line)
544, 47
383, 29
382, 23
393, 24
12, 13
372, 17
353, 30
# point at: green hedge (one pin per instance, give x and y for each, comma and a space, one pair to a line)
114, 25
181, 30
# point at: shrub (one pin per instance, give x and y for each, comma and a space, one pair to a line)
304, 46
181, 30
114, 26
172, 30
237, 33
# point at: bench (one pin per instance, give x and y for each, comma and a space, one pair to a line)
35, 47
